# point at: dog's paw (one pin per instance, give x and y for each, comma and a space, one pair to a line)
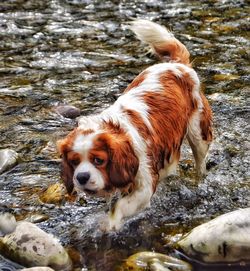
109, 223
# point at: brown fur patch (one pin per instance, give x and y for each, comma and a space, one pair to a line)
64, 147
122, 164
169, 112
173, 50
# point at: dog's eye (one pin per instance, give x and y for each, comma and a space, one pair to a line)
74, 162
98, 161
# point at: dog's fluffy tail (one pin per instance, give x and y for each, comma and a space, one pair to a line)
162, 41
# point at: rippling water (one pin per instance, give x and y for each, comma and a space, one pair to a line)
78, 52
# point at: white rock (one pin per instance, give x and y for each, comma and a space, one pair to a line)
8, 158
7, 223
223, 239
30, 246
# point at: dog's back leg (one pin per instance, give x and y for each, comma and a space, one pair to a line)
199, 135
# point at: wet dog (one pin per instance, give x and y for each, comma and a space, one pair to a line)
136, 142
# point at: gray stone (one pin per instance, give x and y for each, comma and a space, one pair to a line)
30, 246
68, 111
8, 159
223, 239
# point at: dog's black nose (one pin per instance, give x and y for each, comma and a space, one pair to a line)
83, 177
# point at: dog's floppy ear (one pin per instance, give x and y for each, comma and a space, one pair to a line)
123, 163
67, 170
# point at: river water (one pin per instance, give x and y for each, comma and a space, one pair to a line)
78, 52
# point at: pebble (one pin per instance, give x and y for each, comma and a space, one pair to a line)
8, 159
68, 111
37, 218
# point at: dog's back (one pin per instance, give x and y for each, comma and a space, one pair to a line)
181, 109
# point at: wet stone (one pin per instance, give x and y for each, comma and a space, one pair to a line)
154, 262
223, 239
7, 223
30, 246
8, 159
68, 111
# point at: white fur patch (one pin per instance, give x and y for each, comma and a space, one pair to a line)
89, 122
150, 32
83, 143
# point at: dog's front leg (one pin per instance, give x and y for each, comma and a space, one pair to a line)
128, 206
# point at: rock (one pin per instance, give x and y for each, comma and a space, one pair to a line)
155, 262
68, 111
7, 224
30, 246
54, 194
8, 159
37, 218
223, 239
37, 269
225, 77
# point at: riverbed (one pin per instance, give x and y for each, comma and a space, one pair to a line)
79, 52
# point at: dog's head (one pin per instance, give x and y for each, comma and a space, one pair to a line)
97, 162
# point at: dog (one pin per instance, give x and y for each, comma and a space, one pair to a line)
136, 142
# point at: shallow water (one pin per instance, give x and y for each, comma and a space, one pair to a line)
77, 52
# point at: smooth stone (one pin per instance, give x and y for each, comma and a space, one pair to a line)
37, 269
68, 111
7, 224
155, 262
37, 218
30, 246
223, 239
8, 159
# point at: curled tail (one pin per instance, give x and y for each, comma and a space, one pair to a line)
162, 41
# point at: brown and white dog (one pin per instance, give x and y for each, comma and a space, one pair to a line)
136, 141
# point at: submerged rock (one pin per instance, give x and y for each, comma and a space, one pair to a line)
155, 262
8, 159
30, 246
37, 269
54, 194
223, 239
